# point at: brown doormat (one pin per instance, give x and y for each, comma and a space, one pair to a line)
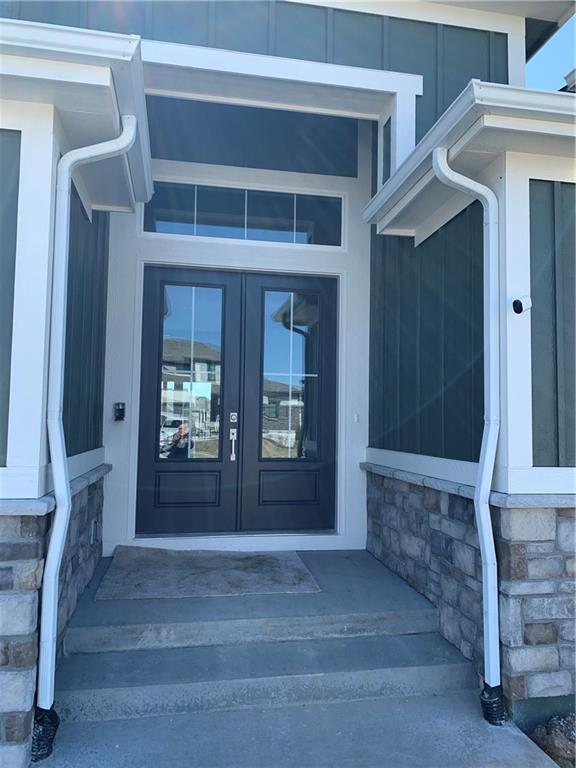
141, 573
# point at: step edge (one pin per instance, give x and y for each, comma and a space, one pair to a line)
301, 627
260, 687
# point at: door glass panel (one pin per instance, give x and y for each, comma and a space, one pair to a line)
289, 424
191, 371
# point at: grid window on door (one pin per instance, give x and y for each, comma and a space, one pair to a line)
245, 214
290, 379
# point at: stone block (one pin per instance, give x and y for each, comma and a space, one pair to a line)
511, 621
541, 634
469, 629
567, 586
18, 613
567, 534
471, 537
431, 498
567, 657
17, 690
464, 558
512, 562
15, 755
544, 658
453, 528
6, 578
19, 550
28, 575
461, 509
434, 521
23, 651
449, 589
9, 527
412, 546
546, 684
569, 566
567, 631
542, 608
545, 567
514, 686
528, 587
444, 502
450, 624
441, 545
470, 603
528, 524
17, 726
540, 547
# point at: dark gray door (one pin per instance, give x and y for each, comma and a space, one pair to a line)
238, 403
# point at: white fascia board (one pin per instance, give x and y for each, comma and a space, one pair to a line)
477, 100
278, 68
75, 47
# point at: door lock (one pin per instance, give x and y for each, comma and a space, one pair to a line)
233, 438
233, 417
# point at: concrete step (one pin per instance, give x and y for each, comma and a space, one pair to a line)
132, 684
190, 634
393, 732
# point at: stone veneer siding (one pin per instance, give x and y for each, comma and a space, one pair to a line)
428, 537
24, 529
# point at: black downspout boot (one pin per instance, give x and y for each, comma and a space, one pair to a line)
46, 722
493, 707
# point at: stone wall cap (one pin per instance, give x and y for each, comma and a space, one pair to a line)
45, 504
497, 499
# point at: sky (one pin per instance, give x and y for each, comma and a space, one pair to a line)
546, 70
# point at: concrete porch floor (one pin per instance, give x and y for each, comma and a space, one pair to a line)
354, 675
444, 731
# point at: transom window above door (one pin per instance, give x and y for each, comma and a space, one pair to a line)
245, 214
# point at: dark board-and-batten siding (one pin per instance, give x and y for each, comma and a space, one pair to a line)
10, 174
426, 360
553, 322
85, 329
447, 56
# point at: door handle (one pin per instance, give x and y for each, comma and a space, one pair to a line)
233, 438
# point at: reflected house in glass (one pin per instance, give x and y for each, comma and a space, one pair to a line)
286, 327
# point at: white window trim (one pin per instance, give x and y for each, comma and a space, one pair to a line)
257, 179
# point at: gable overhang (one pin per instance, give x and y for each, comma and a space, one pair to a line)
92, 79
484, 122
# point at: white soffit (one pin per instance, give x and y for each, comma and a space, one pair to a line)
195, 72
485, 121
92, 78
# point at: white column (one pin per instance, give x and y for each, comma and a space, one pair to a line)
25, 473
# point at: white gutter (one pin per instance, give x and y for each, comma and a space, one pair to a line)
489, 201
56, 439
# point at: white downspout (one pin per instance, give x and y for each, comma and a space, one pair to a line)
56, 440
491, 700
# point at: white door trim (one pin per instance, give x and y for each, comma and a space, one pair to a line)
131, 252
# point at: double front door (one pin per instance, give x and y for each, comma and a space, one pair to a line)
237, 403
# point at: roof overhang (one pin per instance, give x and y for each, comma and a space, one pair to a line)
92, 78
208, 74
484, 122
